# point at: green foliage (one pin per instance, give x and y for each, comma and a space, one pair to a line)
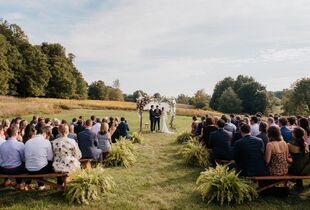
183, 137
122, 154
114, 94
224, 186
97, 90
297, 99
230, 102
194, 154
252, 94
88, 185
5, 74
137, 138
183, 99
200, 99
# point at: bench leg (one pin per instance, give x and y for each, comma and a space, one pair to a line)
51, 184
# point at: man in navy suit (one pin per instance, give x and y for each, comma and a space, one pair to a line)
220, 142
152, 118
157, 117
249, 153
87, 141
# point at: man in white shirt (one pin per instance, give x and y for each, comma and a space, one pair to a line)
39, 154
254, 126
96, 128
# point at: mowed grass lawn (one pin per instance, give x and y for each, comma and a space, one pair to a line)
159, 179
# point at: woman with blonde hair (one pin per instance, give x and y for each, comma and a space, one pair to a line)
66, 151
104, 140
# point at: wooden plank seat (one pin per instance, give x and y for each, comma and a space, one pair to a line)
278, 180
42, 178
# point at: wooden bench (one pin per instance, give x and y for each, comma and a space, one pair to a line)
278, 180
42, 178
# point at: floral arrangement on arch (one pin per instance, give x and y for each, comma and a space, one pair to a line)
142, 102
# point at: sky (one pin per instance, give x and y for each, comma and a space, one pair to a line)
173, 46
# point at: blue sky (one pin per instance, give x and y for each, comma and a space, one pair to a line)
174, 46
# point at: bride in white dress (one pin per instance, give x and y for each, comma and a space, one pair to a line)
164, 128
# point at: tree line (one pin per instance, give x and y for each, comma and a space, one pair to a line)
44, 70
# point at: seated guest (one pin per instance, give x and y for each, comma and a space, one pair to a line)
12, 156
238, 135
55, 128
304, 124
271, 122
87, 141
299, 151
285, 131
2, 136
79, 126
96, 127
249, 154
200, 127
111, 121
104, 140
228, 125
220, 143
39, 154
276, 153
263, 133
66, 151
254, 126
71, 134
123, 129
208, 128
30, 132
292, 121
194, 126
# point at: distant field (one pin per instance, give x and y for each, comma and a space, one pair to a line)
13, 106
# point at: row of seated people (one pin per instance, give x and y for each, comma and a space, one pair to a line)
262, 153
33, 152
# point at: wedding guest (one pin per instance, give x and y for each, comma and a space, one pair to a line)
220, 143
87, 141
254, 126
263, 133
71, 133
113, 132
299, 151
111, 121
6, 124
209, 127
12, 156
228, 125
47, 121
39, 154
2, 136
237, 135
304, 123
30, 132
246, 120
194, 125
104, 140
49, 133
22, 126
66, 151
249, 154
104, 120
271, 122
93, 119
79, 127
285, 131
123, 128
96, 127
277, 154
200, 126
56, 124
292, 122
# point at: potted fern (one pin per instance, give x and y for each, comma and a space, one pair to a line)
194, 154
183, 138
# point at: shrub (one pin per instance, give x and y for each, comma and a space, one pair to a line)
88, 185
122, 154
195, 154
224, 186
184, 137
137, 138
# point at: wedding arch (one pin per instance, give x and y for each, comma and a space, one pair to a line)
142, 101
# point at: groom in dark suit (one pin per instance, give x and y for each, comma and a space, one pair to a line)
152, 118
157, 117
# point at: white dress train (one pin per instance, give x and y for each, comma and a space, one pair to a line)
164, 128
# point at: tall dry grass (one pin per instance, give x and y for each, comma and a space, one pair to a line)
14, 106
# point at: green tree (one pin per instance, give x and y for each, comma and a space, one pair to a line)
220, 87
183, 99
137, 93
5, 74
200, 99
97, 90
230, 102
114, 94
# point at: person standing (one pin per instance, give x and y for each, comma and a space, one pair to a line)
157, 117
152, 118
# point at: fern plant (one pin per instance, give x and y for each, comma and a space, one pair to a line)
224, 186
122, 154
137, 138
194, 154
183, 138
88, 185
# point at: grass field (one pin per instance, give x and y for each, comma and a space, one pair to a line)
159, 179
